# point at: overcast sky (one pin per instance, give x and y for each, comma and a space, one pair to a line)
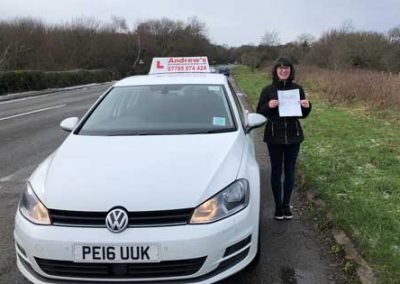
231, 22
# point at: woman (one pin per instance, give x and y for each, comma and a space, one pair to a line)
283, 135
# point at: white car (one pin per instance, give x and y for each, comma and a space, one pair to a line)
157, 182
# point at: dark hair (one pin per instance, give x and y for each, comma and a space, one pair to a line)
283, 61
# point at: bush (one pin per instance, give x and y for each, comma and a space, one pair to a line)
28, 80
375, 90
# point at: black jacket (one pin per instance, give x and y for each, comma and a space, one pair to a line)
281, 130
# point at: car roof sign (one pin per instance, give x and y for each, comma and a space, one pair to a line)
162, 65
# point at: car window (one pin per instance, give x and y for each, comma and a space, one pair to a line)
161, 109
238, 105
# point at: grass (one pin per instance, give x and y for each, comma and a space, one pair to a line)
251, 82
351, 160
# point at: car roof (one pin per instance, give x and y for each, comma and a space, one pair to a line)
173, 78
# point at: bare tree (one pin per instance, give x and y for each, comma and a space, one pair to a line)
347, 26
305, 38
394, 34
304, 41
270, 38
118, 24
86, 43
196, 27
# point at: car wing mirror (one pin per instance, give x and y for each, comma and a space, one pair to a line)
69, 123
254, 120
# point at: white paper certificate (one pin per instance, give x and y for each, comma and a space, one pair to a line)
289, 103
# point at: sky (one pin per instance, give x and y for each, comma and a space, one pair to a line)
229, 22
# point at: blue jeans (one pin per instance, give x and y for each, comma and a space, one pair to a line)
285, 155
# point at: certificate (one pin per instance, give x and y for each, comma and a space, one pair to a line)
289, 103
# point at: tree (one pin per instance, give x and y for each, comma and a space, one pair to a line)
347, 26
270, 38
394, 34
118, 24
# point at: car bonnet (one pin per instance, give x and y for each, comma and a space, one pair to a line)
139, 173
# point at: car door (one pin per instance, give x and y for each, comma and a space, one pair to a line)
243, 117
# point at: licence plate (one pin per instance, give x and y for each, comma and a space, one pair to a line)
116, 253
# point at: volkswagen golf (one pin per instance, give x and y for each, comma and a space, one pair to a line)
157, 182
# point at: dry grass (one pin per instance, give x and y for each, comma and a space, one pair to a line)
371, 89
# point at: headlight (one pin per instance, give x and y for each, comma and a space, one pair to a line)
227, 202
32, 209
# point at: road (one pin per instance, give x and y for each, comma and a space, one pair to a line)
291, 252
27, 138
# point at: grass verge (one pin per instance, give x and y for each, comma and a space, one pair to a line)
251, 82
351, 160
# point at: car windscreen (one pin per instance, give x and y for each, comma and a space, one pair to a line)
161, 109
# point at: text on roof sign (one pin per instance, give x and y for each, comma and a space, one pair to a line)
179, 64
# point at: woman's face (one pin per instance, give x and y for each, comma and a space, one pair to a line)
283, 72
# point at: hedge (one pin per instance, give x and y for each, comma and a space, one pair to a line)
28, 80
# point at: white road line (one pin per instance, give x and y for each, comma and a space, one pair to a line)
30, 112
24, 99
7, 178
20, 175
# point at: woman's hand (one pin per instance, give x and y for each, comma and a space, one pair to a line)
273, 103
305, 103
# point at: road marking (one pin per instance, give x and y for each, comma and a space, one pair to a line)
30, 112
66, 89
20, 175
24, 99
6, 178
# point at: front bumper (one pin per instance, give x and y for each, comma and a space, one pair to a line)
226, 247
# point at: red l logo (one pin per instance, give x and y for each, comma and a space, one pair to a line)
159, 66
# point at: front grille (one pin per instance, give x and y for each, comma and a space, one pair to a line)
173, 268
136, 219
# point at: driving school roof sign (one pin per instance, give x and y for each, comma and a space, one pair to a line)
179, 65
